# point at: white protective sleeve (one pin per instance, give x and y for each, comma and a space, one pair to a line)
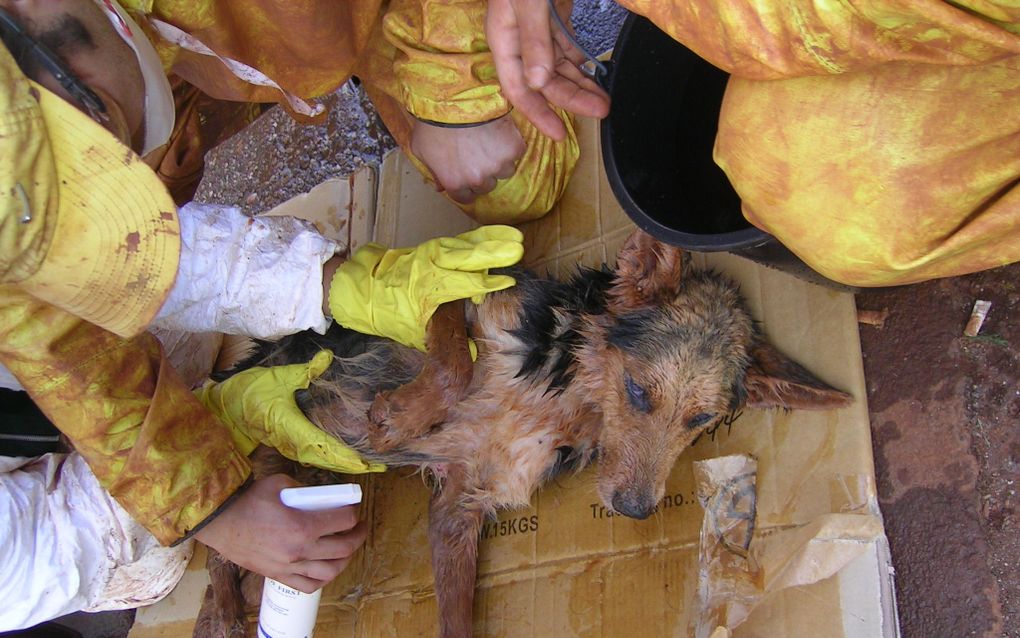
254, 276
68, 546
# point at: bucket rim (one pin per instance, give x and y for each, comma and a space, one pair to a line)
748, 237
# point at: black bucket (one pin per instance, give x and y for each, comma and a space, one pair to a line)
657, 146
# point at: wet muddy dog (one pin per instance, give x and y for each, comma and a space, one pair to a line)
623, 366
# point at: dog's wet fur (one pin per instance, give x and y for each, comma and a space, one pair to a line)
627, 366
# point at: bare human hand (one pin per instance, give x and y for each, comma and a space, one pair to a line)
304, 550
467, 162
537, 64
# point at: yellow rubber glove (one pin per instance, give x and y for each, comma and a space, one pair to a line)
393, 293
258, 406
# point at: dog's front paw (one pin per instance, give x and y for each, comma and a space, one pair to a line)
396, 418
383, 435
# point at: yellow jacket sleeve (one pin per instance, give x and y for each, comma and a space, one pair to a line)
772, 39
431, 55
309, 47
443, 66
148, 440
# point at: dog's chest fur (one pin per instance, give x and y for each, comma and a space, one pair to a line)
526, 419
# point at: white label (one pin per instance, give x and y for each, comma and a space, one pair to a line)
287, 612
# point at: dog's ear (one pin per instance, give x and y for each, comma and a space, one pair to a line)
648, 273
776, 381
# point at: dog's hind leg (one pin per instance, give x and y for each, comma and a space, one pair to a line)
412, 409
222, 614
453, 535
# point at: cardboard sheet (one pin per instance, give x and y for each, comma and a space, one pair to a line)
817, 563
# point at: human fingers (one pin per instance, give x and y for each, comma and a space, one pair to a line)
535, 107
506, 171
483, 183
487, 186
573, 91
462, 195
339, 546
300, 582
535, 31
321, 571
325, 523
504, 37
468, 194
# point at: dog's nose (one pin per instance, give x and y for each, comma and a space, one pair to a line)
635, 503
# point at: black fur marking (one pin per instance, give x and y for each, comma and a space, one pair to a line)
630, 329
301, 347
568, 459
549, 345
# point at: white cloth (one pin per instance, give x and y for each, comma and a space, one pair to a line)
254, 276
68, 546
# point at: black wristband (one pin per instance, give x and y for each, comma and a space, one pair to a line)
456, 125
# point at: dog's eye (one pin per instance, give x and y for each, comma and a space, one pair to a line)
699, 420
637, 395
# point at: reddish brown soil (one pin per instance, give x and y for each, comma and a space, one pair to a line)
945, 411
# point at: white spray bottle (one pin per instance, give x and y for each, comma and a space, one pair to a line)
287, 612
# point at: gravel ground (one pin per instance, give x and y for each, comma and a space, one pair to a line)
276, 158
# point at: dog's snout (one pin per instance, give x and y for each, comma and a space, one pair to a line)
634, 503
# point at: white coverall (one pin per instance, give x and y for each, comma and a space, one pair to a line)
67, 545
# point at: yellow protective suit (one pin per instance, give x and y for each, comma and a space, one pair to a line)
147, 438
878, 140
417, 58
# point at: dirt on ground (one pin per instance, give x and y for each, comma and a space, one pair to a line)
945, 410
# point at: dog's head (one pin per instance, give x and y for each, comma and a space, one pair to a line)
676, 352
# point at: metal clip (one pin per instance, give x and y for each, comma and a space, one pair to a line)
592, 67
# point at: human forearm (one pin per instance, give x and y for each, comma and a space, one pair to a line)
258, 277
147, 438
